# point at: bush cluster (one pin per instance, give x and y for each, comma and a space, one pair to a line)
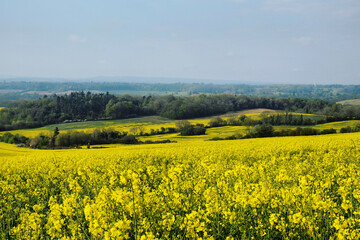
349, 129
187, 129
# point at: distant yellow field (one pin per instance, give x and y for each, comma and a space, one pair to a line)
335, 125
248, 112
275, 188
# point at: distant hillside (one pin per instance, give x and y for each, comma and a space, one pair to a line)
14, 89
350, 102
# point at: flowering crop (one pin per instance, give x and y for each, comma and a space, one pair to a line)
284, 188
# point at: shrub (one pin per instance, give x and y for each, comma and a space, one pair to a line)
328, 131
263, 130
129, 139
357, 127
217, 122
345, 130
308, 131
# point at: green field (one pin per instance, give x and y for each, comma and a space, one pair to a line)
149, 120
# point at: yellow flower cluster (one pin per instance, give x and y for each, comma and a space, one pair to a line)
274, 188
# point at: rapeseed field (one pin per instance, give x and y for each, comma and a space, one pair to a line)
270, 188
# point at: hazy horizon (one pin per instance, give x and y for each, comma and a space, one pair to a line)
223, 41
153, 80
133, 79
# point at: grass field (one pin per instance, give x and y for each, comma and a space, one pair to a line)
335, 125
270, 188
152, 122
120, 125
350, 102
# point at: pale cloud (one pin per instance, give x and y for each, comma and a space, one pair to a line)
174, 35
304, 40
350, 12
77, 38
291, 6
230, 53
280, 5
238, 1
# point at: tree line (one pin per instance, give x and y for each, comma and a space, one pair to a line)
74, 138
30, 88
267, 130
273, 119
81, 106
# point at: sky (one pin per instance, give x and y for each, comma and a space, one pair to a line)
268, 41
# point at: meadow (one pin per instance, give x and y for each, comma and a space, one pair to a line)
269, 188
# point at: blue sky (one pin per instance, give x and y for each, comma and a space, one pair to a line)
285, 41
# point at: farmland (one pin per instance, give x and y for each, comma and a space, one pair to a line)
289, 187
303, 187
167, 120
157, 122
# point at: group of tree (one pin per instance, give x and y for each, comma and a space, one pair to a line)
265, 118
162, 130
187, 129
292, 119
71, 138
80, 106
